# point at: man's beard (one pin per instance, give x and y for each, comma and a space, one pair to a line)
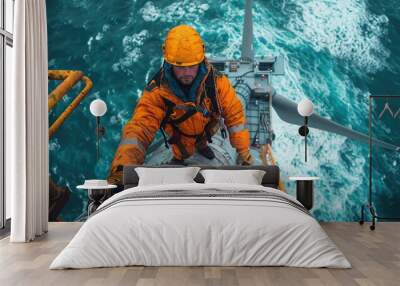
186, 80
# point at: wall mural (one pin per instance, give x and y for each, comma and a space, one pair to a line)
335, 53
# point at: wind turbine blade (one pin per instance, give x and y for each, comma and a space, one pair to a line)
287, 111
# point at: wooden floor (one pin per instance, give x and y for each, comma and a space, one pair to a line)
374, 255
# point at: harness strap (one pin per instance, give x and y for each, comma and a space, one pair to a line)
210, 92
200, 109
170, 109
157, 80
184, 117
165, 138
177, 129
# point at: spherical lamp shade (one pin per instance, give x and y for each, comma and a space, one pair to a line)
98, 107
305, 107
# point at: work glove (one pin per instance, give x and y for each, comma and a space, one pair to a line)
125, 155
245, 158
115, 176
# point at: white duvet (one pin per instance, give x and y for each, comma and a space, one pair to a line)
183, 231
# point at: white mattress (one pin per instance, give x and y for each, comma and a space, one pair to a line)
183, 231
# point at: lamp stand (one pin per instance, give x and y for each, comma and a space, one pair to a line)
303, 131
100, 131
305, 137
98, 137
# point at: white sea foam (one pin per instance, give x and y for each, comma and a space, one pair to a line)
188, 10
345, 28
54, 145
80, 4
89, 43
150, 12
99, 36
139, 93
132, 51
52, 62
106, 27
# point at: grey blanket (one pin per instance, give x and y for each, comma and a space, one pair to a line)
202, 194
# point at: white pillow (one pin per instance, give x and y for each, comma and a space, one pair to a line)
248, 177
163, 176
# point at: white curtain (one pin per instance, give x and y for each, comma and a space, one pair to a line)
27, 124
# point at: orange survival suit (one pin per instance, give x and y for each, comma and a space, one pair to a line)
187, 124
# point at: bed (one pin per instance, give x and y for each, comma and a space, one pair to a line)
201, 224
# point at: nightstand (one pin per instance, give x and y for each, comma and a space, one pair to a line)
97, 195
304, 190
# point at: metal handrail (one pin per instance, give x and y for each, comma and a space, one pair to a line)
69, 79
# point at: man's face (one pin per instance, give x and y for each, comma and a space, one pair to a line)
185, 75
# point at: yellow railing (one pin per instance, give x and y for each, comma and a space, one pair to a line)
69, 79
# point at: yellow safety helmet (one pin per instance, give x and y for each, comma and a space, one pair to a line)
183, 47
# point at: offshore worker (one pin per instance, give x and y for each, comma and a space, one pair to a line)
189, 101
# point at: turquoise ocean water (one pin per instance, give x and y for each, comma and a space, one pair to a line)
337, 52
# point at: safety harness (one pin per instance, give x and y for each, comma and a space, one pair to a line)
210, 92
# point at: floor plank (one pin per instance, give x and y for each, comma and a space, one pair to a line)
374, 255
